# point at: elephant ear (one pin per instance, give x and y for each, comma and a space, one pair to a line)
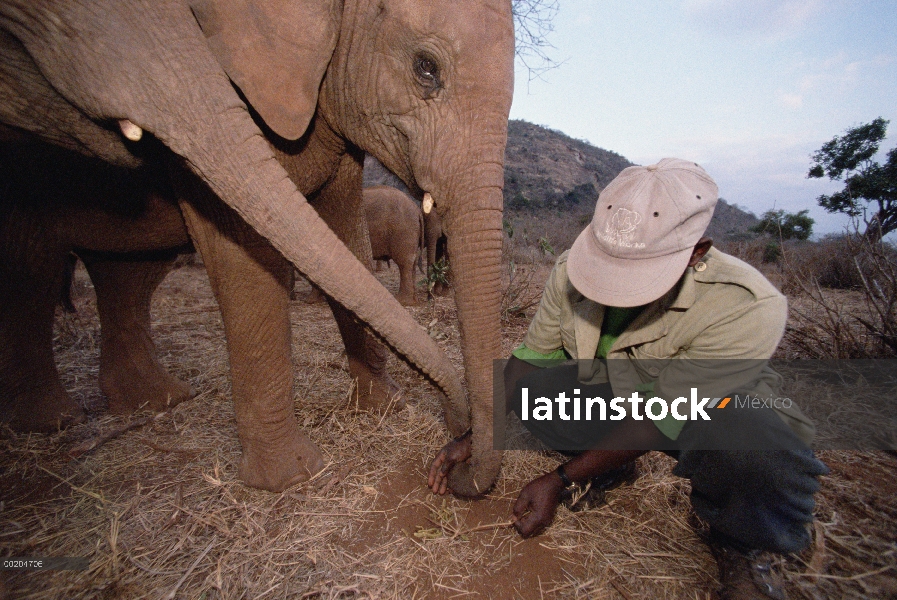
275, 51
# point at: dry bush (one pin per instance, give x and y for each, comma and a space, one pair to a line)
835, 262
878, 271
826, 324
829, 262
530, 247
521, 259
519, 293
751, 250
822, 325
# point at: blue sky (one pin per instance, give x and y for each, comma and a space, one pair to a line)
747, 89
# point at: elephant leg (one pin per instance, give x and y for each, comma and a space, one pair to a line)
31, 269
251, 282
406, 295
340, 205
130, 375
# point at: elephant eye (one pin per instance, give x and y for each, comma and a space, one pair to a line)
426, 68
427, 72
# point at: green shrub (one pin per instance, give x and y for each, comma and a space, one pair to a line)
772, 252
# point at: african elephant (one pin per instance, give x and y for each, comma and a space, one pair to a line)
396, 228
241, 110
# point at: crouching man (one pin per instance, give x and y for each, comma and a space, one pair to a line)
649, 310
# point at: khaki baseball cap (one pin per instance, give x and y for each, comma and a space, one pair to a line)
646, 224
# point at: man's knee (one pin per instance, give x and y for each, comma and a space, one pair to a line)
762, 498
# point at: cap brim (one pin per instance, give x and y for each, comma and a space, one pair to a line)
622, 282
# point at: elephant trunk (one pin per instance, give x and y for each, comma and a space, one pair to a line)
475, 243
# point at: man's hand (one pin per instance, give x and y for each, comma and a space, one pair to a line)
537, 503
457, 450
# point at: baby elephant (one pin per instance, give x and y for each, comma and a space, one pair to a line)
396, 226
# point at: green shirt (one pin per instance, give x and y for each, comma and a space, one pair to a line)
616, 320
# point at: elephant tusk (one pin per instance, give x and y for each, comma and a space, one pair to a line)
130, 131
428, 203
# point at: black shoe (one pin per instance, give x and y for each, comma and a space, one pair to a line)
593, 494
747, 575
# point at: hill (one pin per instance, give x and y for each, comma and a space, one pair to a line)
546, 169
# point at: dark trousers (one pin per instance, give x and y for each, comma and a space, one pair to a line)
752, 479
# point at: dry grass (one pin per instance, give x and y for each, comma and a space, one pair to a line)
160, 514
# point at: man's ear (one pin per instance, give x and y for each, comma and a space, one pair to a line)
704, 244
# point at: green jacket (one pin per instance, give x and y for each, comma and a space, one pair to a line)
727, 310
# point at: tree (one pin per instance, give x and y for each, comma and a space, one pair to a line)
532, 24
785, 225
849, 157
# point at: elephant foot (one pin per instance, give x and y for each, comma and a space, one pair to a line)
150, 388
41, 411
276, 471
375, 390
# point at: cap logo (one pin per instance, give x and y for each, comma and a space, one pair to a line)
620, 230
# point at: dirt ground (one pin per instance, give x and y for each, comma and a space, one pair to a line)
160, 514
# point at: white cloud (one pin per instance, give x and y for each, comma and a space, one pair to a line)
768, 18
793, 101
836, 76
